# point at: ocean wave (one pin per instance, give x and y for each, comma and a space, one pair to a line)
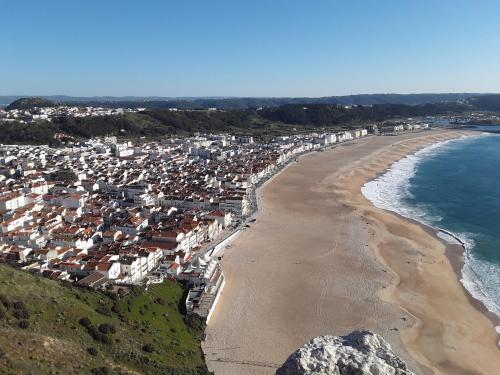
390, 190
481, 287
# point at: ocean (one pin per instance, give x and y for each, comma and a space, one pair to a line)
455, 186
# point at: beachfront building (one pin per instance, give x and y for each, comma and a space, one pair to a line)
100, 213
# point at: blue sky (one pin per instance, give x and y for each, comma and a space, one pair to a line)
248, 48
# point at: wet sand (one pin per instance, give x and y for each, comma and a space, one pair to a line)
320, 259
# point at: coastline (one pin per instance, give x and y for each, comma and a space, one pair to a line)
328, 291
442, 358
455, 255
456, 247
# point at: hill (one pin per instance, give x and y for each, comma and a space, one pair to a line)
28, 103
486, 103
250, 102
267, 122
47, 327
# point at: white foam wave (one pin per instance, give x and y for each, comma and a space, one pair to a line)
480, 278
389, 191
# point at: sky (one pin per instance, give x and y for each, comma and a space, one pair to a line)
248, 47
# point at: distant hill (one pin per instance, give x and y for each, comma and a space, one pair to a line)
47, 325
251, 102
27, 103
245, 103
267, 123
486, 103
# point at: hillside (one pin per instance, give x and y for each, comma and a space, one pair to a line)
268, 122
45, 325
486, 103
27, 103
250, 102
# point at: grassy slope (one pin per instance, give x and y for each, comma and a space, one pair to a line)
56, 343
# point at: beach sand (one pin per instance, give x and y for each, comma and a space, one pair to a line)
320, 259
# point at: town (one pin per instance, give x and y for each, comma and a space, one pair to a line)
31, 115
107, 214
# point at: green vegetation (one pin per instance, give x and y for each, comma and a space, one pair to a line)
27, 103
486, 102
249, 102
267, 122
42, 132
47, 327
333, 116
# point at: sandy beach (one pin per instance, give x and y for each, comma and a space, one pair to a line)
320, 259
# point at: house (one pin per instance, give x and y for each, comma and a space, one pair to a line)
74, 200
130, 268
12, 201
131, 225
95, 280
222, 217
15, 253
109, 269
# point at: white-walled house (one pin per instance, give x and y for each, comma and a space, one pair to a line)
109, 269
12, 201
222, 217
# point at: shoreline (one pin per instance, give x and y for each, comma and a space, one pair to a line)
457, 260
330, 289
455, 255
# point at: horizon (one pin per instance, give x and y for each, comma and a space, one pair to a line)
160, 97
283, 49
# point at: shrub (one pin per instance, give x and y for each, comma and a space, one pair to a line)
160, 301
106, 328
135, 290
148, 348
24, 324
20, 305
92, 351
21, 314
105, 339
194, 321
116, 308
101, 371
94, 332
5, 301
85, 322
103, 310
3, 314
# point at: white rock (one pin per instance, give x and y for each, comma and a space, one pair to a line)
359, 353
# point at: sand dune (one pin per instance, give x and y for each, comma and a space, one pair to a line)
320, 259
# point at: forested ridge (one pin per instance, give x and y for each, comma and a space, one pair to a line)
250, 102
267, 121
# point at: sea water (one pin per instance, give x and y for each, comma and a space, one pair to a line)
455, 186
